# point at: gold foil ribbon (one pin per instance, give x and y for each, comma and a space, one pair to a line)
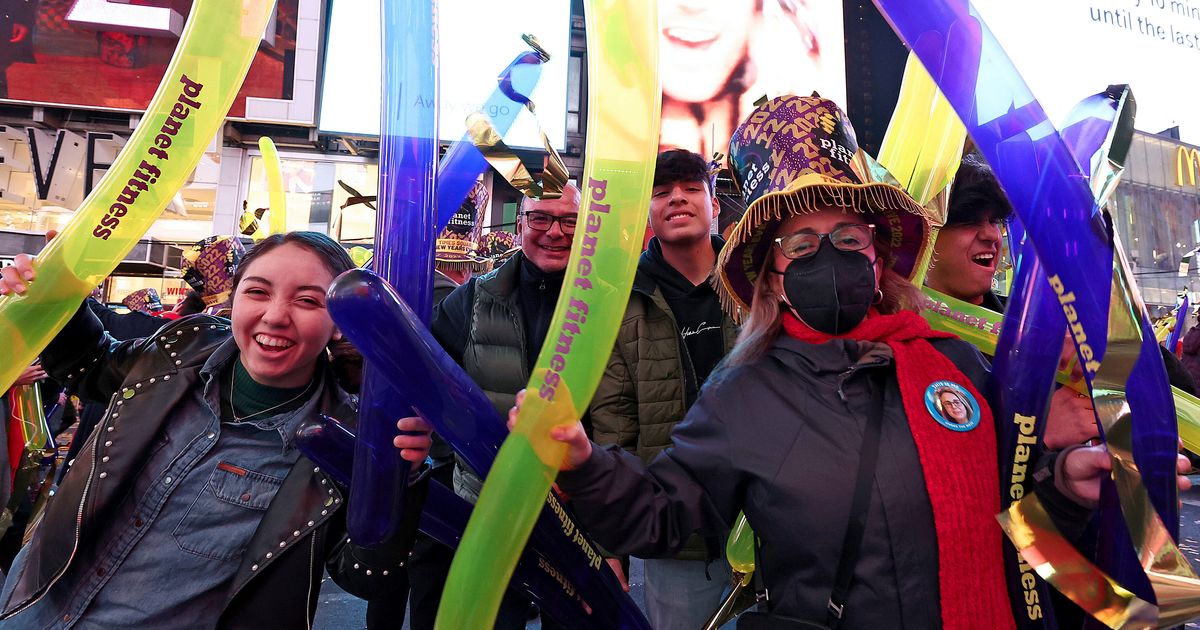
509, 165
506, 162
1176, 586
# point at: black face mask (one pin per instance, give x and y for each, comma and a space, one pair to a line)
831, 290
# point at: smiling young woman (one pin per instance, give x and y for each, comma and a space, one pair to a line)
192, 502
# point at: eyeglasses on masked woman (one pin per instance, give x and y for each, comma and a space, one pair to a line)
851, 237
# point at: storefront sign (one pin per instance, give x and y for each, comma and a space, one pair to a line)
1186, 161
54, 166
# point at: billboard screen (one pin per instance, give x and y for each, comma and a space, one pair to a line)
1070, 49
717, 57
476, 41
111, 54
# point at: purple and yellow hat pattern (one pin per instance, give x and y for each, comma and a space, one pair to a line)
209, 267
144, 300
797, 155
458, 245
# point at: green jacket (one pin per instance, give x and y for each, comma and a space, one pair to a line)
649, 383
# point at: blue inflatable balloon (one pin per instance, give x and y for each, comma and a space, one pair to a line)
404, 235
393, 340
1051, 195
330, 445
463, 163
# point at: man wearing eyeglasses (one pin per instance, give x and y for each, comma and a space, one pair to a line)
672, 336
494, 326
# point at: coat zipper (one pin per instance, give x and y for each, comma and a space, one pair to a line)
312, 565
78, 515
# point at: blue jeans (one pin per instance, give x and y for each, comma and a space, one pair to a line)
679, 596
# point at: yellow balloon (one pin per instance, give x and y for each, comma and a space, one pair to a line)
274, 169
617, 176
187, 111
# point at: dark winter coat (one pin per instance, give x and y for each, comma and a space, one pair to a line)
494, 326
776, 440
649, 382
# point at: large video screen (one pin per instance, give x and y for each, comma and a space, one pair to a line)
1070, 49
476, 41
111, 54
717, 57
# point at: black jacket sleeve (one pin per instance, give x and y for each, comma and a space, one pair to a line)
375, 572
651, 510
451, 321
124, 326
88, 360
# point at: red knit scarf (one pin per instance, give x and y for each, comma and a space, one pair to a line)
959, 469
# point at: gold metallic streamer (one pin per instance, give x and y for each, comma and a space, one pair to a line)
1049, 554
1176, 586
505, 161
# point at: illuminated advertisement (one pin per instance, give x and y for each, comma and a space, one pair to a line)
717, 57
476, 41
111, 54
1071, 49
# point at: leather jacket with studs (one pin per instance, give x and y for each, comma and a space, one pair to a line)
302, 532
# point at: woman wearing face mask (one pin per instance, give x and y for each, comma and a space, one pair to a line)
189, 506
826, 412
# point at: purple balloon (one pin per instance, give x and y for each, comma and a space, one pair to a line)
404, 234
391, 337
1052, 198
463, 163
330, 444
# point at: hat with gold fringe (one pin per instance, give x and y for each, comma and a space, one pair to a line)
144, 300
796, 155
458, 245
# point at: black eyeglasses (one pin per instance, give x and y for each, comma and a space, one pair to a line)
542, 221
848, 238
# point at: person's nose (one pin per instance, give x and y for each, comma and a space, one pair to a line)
990, 232
277, 313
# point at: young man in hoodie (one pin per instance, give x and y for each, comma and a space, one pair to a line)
673, 335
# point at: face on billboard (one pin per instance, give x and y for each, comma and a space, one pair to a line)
109, 54
1083, 47
717, 57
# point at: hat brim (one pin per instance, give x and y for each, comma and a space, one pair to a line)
896, 216
459, 262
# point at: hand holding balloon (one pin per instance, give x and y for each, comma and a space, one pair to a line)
414, 440
31, 375
579, 447
1085, 467
16, 277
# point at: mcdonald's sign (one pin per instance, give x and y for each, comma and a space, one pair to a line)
1186, 160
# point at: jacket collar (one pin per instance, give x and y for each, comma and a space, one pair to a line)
834, 356
644, 281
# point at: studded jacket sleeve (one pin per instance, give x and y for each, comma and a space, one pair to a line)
88, 360
376, 572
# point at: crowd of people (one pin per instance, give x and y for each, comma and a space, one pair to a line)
781, 370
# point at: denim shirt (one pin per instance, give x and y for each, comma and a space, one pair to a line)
194, 507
